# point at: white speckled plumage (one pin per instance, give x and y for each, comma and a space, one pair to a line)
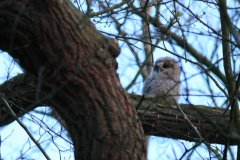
164, 80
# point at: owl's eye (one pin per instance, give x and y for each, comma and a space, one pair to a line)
166, 65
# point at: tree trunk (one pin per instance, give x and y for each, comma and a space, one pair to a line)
74, 69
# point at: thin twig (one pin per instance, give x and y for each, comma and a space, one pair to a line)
197, 132
189, 122
8, 108
109, 9
141, 68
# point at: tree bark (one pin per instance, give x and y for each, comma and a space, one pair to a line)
163, 118
158, 117
74, 69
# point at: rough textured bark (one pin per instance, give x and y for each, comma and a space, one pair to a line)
158, 117
74, 68
20, 93
163, 118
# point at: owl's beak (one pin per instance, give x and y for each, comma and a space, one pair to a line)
160, 67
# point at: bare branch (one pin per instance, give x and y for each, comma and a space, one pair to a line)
109, 9
8, 108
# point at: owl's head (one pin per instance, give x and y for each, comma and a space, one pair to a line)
166, 66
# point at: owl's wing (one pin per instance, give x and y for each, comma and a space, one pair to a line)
147, 88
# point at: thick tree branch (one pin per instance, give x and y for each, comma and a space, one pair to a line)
20, 92
164, 119
158, 117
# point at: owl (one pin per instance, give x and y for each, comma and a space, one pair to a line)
164, 80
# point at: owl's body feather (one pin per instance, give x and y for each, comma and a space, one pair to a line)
164, 80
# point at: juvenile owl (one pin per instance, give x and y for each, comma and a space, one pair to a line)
164, 80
